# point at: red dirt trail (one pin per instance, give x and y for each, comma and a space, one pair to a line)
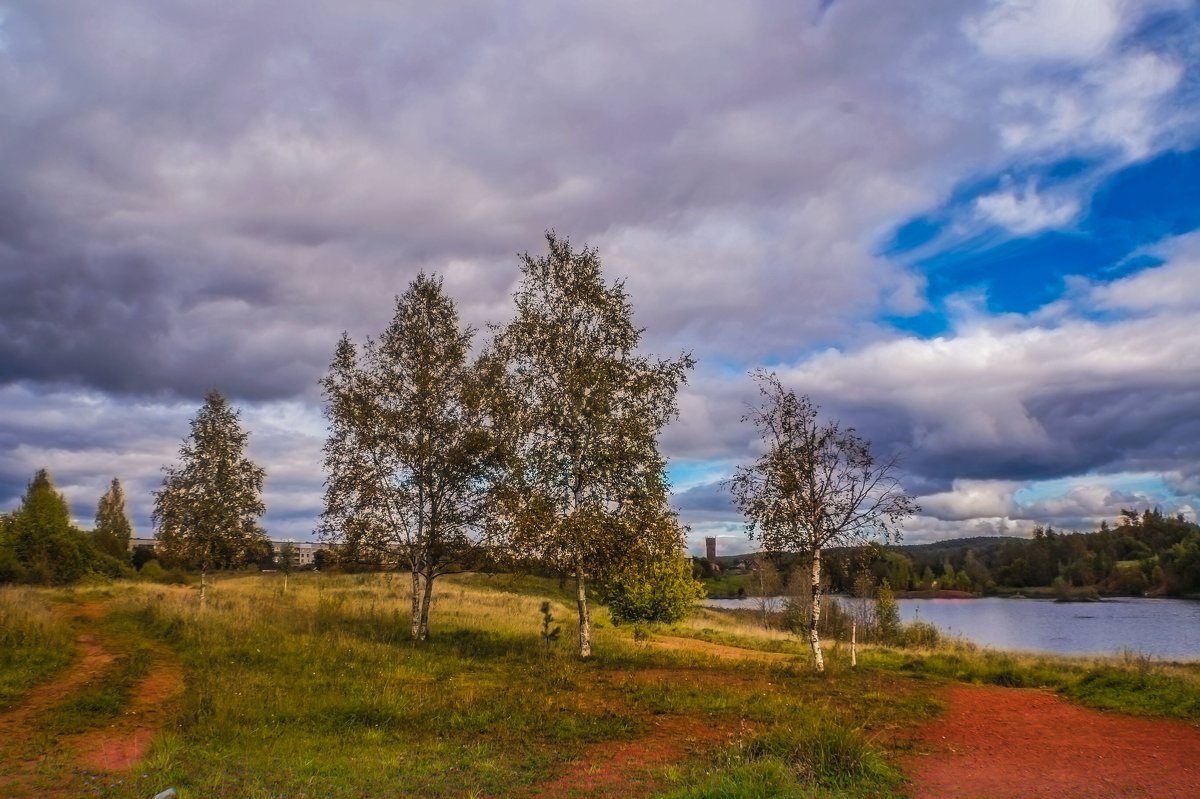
1009, 743
117, 746
627, 768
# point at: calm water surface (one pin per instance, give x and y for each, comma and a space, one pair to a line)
1161, 628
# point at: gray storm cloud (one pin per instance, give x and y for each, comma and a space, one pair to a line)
198, 196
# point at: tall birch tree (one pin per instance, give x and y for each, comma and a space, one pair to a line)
816, 485
207, 511
583, 412
408, 451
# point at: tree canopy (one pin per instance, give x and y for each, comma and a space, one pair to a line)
815, 485
581, 411
408, 451
113, 527
208, 508
40, 544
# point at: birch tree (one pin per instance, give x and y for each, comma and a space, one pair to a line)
816, 485
582, 412
408, 452
113, 527
207, 511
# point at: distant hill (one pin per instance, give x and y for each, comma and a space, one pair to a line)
930, 551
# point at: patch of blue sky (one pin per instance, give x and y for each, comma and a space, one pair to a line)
685, 474
1146, 486
727, 368
1129, 210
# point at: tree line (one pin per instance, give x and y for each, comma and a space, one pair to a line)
40, 544
540, 452
1142, 552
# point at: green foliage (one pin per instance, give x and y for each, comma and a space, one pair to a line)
920, 634
581, 412
208, 508
887, 612
113, 528
409, 452
1141, 689
549, 635
153, 572
39, 544
1145, 553
815, 486
663, 590
285, 559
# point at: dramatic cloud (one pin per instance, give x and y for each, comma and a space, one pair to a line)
911, 211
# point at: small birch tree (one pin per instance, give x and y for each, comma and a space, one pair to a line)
113, 528
582, 412
408, 452
208, 508
285, 561
816, 485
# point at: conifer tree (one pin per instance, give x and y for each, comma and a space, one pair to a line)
581, 411
113, 527
47, 547
208, 508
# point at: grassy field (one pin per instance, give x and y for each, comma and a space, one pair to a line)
317, 692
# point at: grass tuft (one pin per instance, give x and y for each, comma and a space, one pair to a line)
35, 642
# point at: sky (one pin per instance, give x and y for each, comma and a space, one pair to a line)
968, 229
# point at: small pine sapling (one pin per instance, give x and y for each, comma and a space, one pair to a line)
548, 635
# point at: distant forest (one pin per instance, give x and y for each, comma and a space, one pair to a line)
1145, 553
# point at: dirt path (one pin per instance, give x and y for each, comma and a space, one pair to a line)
1008, 743
25, 749
718, 650
629, 768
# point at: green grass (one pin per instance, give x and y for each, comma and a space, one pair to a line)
727, 585
319, 693
104, 698
1130, 684
35, 642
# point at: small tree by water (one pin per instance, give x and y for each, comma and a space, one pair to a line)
887, 613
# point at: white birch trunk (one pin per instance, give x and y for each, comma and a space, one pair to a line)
414, 626
814, 638
854, 643
585, 623
427, 599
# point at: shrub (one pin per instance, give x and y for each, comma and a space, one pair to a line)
920, 634
662, 591
887, 613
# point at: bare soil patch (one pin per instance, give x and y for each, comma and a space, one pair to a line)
1009, 743
631, 768
124, 741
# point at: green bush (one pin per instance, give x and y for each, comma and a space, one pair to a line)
920, 634
887, 613
663, 590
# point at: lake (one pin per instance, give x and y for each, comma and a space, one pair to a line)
1161, 628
